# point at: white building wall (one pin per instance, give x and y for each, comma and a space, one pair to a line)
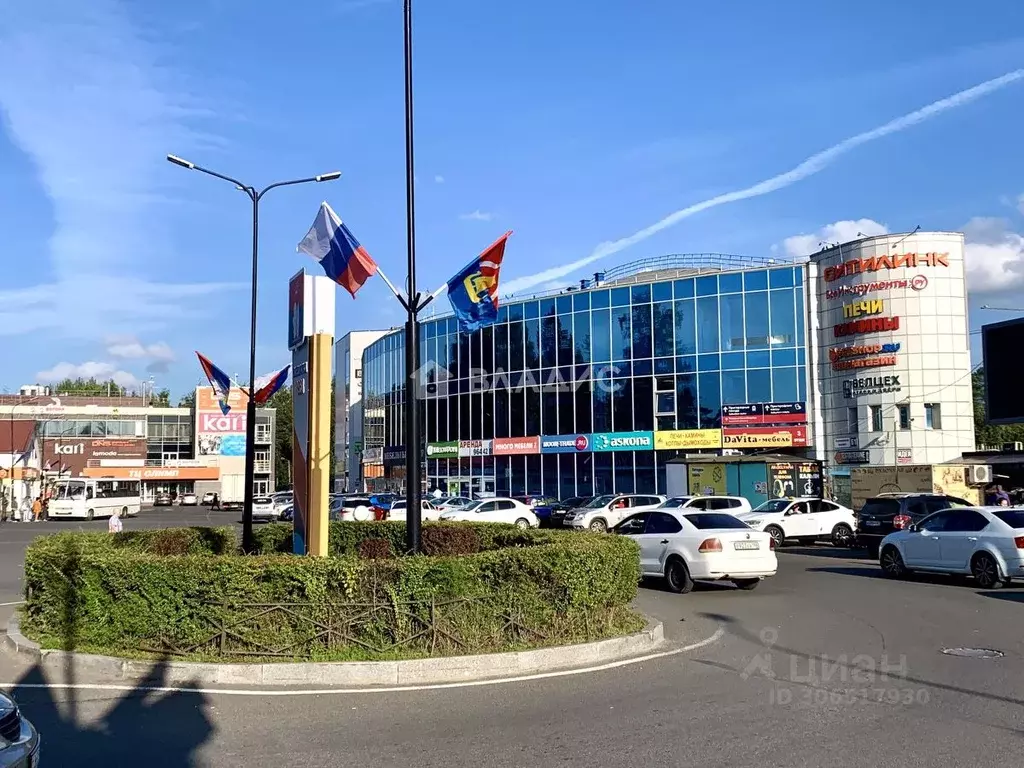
932, 364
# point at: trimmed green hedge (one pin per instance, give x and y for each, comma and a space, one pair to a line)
123, 597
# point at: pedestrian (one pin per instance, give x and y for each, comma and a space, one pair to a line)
114, 524
216, 502
37, 509
26, 510
3, 506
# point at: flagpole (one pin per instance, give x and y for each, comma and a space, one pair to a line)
413, 511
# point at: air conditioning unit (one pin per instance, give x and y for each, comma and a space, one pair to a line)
980, 474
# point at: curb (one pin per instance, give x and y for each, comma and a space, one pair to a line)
431, 671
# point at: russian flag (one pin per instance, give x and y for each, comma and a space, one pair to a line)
331, 243
219, 380
267, 388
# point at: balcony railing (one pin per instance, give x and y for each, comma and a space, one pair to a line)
262, 434
262, 467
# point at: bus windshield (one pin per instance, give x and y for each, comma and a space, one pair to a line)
69, 489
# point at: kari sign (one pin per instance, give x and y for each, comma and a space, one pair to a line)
878, 263
514, 446
218, 423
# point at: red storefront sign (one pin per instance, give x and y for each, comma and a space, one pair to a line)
868, 325
878, 263
513, 446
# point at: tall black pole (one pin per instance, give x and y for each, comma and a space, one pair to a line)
248, 545
412, 438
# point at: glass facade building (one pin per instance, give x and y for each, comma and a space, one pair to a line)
602, 384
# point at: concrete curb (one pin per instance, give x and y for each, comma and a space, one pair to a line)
449, 669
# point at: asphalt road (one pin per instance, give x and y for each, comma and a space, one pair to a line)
794, 681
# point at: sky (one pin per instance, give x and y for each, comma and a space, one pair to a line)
599, 132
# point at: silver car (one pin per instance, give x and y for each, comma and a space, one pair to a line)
19, 741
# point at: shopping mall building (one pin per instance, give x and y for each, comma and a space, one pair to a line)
858, 354
49, 436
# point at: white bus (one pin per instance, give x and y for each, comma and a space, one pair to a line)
89, 498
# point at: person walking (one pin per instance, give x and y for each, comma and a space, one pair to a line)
114, 524
215, 504
37, 509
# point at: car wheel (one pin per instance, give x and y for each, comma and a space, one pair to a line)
776, 533
892, 563
747, 584
677, 576
842, 535
985, 570
90, 515
598, 526
523, 523
124, 511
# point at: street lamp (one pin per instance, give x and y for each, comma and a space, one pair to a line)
250, 419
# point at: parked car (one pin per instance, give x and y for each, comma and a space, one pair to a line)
383, 501
452, 502
208, 498
684, 546
558, 515
287, 514
542, 506
263, 508
354, 508
806, 519
427, 510
734, 505
888, 512
604, 512
985, 542
19, 740
497, 510
189, 500
163, 500
282, 500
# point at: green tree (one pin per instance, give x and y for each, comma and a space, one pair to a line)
161, 399
282, 402
188, 401
90, 387
990, 434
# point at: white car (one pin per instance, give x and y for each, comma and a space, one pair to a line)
604, 512
684, 546
806, 520
734, 505
452, 502
494, 511
428, 510
263, 508
282, 500
189, 500
985, 542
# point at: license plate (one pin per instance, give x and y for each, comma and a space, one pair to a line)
872, 523
746, 545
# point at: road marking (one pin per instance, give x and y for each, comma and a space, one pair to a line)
719, 633
16, 602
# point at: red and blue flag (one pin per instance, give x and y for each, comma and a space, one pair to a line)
219, 380
266, 388
473, 292
342, 257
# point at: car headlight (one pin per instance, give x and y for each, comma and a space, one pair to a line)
752, 523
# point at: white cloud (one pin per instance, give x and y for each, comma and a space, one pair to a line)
812, 165
439, 179
993, 256
98, 165
88, 370
837, 232
477, 215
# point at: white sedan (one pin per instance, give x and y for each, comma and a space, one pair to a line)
985, 542
494, 511
398, 508
684, 546
263, 508
805, 519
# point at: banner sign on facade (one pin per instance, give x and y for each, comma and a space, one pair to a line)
513, 446
682, 439
446, 450
622, 441
765, 437
763, 414
564, 443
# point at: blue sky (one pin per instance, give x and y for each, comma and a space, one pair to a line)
574, 124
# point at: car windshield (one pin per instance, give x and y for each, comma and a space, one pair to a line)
1012, 517
707, 520
598, 501
676, 502
460, 502
881, 507
472, 506
775, 505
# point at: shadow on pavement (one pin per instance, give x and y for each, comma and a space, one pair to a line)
1009, 595
867, 571
827, 551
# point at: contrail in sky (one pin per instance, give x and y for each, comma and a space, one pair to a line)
808, 167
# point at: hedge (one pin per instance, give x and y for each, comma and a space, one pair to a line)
122, 597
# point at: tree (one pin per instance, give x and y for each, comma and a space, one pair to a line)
990, 434
283, 425
90, 387
188, 401
161, 399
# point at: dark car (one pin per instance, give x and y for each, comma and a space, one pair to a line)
883, 514
558, 513
542, 506
383, 501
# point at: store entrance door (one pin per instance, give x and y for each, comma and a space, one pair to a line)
473, 487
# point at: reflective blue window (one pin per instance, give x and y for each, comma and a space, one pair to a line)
566, 353
709, 389
781, 278
624, 482
686, 327
707, 324
621, 346
686, 364
581, 336
502, 314
801, 382
731, 282
664, 336
684, 289
598, 299
707, 285
783, 357
758, 360
622, 368
709, 362
800, 318
686, 402
515, 312
664, 365
532, 343
601, 339
548, 343
515, 346
530, 309
732, 322
642, 331
755, 281
801, 354
759, 386
620, 297
734, 387
602, 405
733, 361
641, 294
581, 301
564, 304
784, 385
798, 276
756, 311
547, 307
642, 368
783, 316
662, 291
622, 405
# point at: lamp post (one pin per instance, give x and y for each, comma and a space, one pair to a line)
250, 421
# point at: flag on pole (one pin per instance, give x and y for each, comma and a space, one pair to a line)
343, 259
219, 380
266, 386
473, 292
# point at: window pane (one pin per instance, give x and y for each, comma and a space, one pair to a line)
533, 412
548, 343
641, 294
584, 473
532, 344
620, 297
581, 301
603, 477
707, 324
566, 476
707, 285
601, 339
602, 405
664, 342
549, 412
645, 481
780, 278
581, 336
783, 318
732, 322
501, 404
756, 306
567, 413
566, 355
730, 283
686, 402
598, 299
501, 348
784, 388
621, 342
755, 281
582, 407
487, 350
686, 328
622, 405
684, 289
661, 291
643, 403
624, 482
734, 387
641, 331
759, 386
